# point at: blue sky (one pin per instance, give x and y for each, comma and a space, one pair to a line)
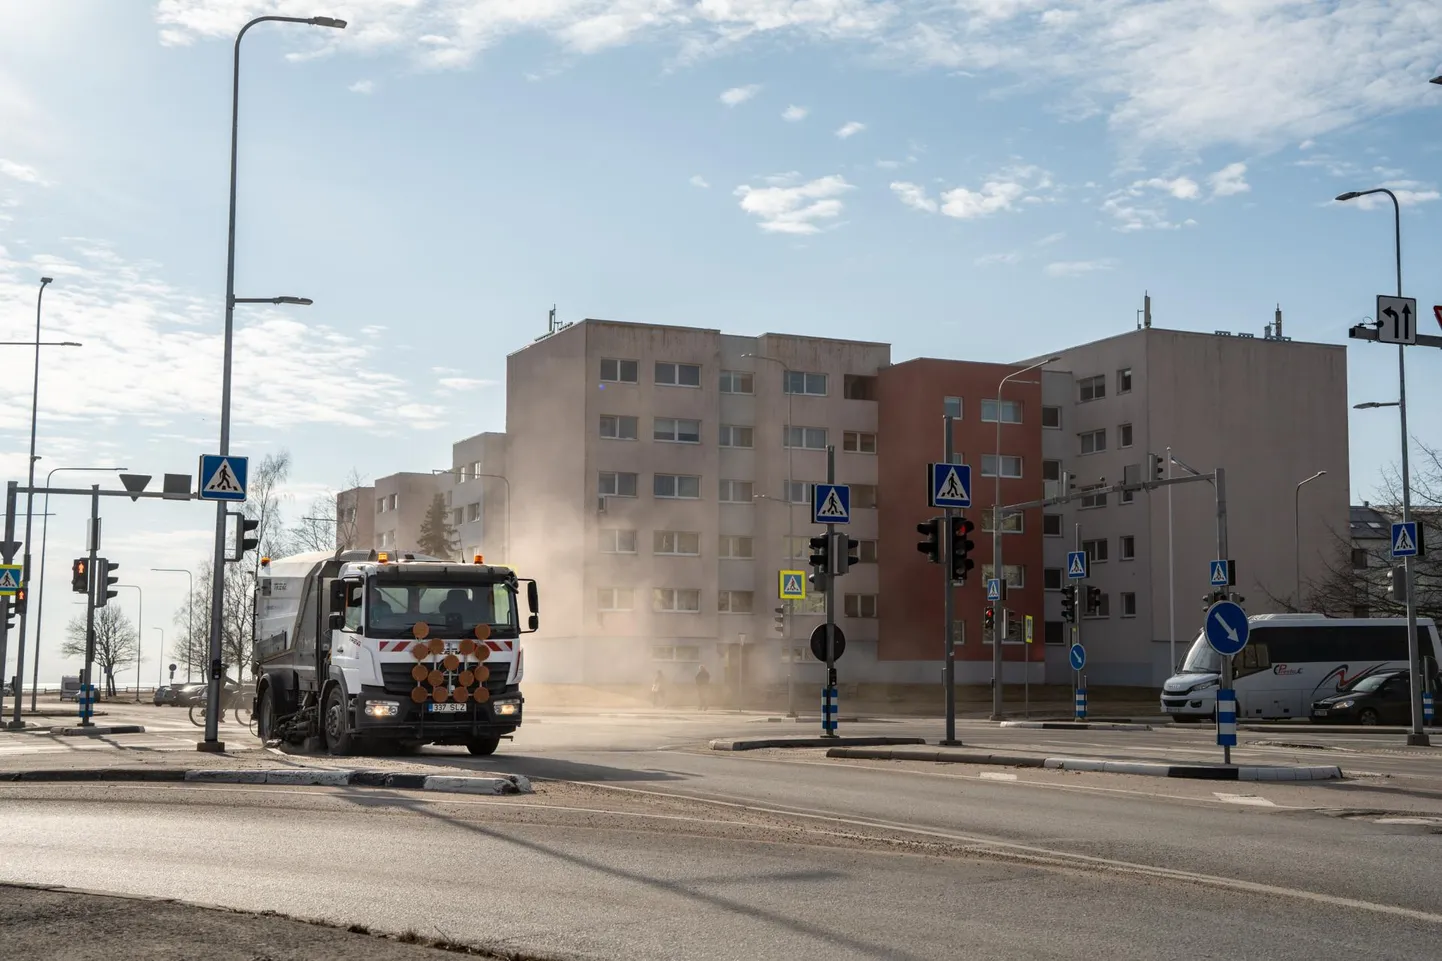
963, 178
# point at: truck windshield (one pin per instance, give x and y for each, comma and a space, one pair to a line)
1201, 659
449, 609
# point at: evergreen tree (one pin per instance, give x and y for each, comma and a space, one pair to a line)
438, 536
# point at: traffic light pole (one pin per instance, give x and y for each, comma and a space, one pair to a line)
829, 697
948, 594
92, 549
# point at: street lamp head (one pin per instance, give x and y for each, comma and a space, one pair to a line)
327, 22
1436, 80
1374, 404
298, 301
70, 343
1349, 195
46, 280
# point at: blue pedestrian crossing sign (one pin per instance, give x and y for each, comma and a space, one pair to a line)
9, 578
1227, 628
792, 586
1078, 657
830, 504
1221, 572
1076, 565
950, 485
222, 477
1404, 539
993, 589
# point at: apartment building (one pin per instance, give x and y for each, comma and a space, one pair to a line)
1270, 410
477, 494
661, 477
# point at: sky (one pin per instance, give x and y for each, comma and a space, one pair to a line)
969, 179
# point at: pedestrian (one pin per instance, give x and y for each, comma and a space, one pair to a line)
703, 685
658, 689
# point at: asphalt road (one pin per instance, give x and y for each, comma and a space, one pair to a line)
649, 845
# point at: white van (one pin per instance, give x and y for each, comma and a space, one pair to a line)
1294, 659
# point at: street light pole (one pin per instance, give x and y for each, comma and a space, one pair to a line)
217, 597
788, 618
1416, 737
1297, 533
29, 504
189, 606
998, 569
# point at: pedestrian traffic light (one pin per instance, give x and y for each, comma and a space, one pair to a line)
821, 554
1094, 599
80, 575
931, 547
961, 546
105, 577
19, 602
1068, 603
780, 620
988, 617
10, 612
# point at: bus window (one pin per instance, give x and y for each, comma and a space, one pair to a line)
1252, 659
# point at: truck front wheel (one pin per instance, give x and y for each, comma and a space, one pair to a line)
484, 745
338, 740
265, 716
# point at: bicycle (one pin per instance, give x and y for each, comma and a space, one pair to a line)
234, 703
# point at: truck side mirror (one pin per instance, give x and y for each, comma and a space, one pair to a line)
336, 620
339, 592
534, 623
533, 600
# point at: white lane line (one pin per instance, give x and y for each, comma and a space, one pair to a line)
997, 776
1430, 822
1251, 799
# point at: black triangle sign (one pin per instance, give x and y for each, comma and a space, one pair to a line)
135, 483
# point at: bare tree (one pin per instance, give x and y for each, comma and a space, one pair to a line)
115, 642
321, 528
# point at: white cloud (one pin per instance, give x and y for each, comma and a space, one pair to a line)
1003, 190
1050, 239
914, 196
1075, 268
850, 129
739, 95
699, 181
22, 172
794, 113
794, 209
1010, 257
1230, 180
1183, 188
463, 383
1307, 144
362, 86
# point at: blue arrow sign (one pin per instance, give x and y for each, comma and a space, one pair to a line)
993, 589
1404, 539
222, 477
1076, 565
950, 485
830, 504
1078, 655
1221, 573
1227, 627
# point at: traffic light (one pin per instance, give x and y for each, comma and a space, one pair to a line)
931, 547
1094, 599
1158, 466
19, 602
243, 526
1397, 584
780, 620
988, 618
961, 546
80, 575
1068, 603
1068, 483
105, 577
10, 611
821, 554
846, 553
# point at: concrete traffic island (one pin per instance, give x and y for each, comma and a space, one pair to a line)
1211, 772
446, 783
1077, 725
756, 743
98, 730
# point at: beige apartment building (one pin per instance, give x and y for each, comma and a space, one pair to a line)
661, 479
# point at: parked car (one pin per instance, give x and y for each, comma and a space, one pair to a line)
179, 695
1381, 698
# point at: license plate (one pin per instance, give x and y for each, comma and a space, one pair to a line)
1319, 710
449, 708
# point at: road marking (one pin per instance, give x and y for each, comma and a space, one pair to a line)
1251, 799
997, 776
1430, 822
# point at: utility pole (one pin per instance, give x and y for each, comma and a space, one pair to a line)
86, 688
830, 697
948, 451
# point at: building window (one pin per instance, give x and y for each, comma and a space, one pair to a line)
684, 543
858, 387
617, 427
859, 605
1010, 411
1010, 466
1103, 609
733, 435
1129, 604
1092, 388
734, 602
458, 516
1051, 418
1093, 441
795, 548
1127, 547
614, 541
736, 382
866, 552
676, 652
806, 438
1051, 525
686, 486
676, 600
1124, 380
1096, 551
1010, 524
618, 371
473, 512
1124, 435
858, 442
799, 492
1093, 501
863, 495
736, 547
1055, 632
617, 484
678, 375
676, 431
380, 505
736, 492
1015, 575
1359, 559
615, 599
951, 407
1051, 578
800, 382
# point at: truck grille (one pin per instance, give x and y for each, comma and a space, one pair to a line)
398, 680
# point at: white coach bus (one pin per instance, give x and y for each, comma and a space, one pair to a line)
1293, 660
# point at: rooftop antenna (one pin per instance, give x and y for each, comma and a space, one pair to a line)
552, 325
1277, 323
1146, 309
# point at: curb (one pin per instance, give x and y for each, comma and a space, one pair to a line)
751, 744
1211, 772
444, 783
1078, 725
98, 731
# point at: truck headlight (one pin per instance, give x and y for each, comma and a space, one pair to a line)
507, 708
382, 708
